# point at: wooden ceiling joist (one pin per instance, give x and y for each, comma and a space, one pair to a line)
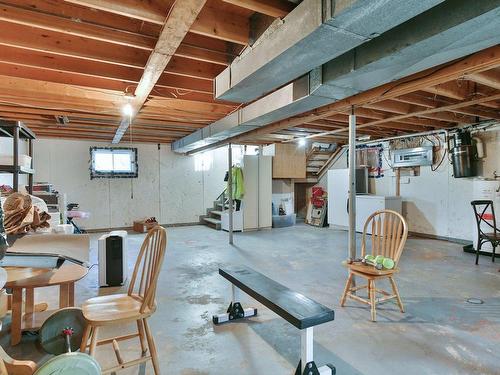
490, 78
181, 18
273, 8
141, 10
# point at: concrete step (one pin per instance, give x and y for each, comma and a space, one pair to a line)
220, 205
216, 212
215, 223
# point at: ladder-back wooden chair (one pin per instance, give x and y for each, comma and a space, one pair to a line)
389, 232
484, 214
135, 306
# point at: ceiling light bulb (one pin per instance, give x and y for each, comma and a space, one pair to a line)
128, 110
302, 142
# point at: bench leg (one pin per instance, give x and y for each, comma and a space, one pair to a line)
235, 311
307, 366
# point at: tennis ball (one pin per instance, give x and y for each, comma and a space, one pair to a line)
388, 263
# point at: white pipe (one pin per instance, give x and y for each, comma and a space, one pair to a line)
230, 191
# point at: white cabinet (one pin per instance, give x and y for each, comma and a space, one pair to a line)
368, 204
338, 193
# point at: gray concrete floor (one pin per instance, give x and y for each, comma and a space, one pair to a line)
439, 333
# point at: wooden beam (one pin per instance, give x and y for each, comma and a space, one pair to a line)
211, 21
72, 27
68, 45
393, 106
490, 78
273, 8
88, 15
181, 18
142, 10
230, 27
194, 69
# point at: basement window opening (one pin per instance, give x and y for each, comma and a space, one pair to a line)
116, 162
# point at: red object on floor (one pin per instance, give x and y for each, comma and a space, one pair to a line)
317, 191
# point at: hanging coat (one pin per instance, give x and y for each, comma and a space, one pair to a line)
238, 190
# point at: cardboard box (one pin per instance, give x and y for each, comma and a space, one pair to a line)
140, 226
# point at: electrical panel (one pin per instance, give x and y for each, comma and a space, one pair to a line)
412, 157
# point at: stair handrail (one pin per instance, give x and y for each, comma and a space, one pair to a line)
222, 197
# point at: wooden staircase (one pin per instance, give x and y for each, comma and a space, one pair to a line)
213, 216
318, 161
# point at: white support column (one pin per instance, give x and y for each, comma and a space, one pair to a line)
306, 347
230, 191
352, 189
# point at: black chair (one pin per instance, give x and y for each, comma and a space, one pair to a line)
482, 211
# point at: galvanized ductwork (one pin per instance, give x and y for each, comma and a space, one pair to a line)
315, 32
449, 31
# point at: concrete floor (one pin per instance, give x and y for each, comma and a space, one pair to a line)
439, 333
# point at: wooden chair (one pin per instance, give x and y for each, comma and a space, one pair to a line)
484, 213
135, 306
389, 232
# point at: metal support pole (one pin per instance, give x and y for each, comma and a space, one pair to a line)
352, 185
306, 347
235, 294
15, 156
230, 191
30, 176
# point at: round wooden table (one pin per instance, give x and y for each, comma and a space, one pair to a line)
20, 278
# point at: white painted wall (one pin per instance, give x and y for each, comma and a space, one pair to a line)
6, 149
168, 186
436, 203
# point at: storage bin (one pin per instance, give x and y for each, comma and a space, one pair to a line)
282, 221
24, 160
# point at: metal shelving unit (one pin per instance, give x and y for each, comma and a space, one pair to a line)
17, 131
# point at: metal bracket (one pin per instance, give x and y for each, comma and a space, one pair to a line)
234, 312
312, 369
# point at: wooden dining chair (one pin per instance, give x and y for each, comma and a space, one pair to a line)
389, 231
135, 306
486, 222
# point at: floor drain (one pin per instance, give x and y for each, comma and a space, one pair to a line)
475, 301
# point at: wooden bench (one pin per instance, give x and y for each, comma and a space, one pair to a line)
295, 308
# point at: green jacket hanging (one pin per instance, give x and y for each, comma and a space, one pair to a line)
238, 190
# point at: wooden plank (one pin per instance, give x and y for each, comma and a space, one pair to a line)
142, 10
181, 18
490, 78
73, 27
194, 69
70, 26
273, 8
289, 161
88, 15
68, 45
295, 308
211, 22
222, 25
